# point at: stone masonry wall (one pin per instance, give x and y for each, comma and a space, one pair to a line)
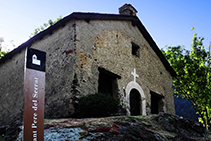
11, 88
60, 58
107, 44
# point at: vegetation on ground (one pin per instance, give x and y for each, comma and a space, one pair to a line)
96, 105
1, 138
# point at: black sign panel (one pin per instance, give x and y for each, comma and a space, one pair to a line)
36, 59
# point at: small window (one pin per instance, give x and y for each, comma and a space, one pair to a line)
135, 50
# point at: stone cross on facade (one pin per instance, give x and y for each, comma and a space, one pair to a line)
134, 74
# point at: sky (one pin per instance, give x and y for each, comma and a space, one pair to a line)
169, 22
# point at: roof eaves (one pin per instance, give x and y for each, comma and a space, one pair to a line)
39, 36
61, 23
154, 46
94, 16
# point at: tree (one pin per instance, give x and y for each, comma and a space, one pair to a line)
45, 26
2, 53
193, 76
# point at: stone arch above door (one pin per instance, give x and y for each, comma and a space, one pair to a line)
134, 85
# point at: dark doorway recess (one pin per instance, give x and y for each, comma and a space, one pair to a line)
156, 102
135, 102
107, 82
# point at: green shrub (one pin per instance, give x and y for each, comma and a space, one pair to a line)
96, 105
1, 138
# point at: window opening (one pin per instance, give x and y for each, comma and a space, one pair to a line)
135, 50
107, 82
156, 102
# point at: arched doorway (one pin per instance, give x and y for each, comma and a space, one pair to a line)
142, 100
135, 101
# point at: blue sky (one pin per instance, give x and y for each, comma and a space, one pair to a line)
169, 22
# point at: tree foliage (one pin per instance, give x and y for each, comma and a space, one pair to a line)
193, 76
45, 26
2, 53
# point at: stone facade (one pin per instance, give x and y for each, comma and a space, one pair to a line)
77, 48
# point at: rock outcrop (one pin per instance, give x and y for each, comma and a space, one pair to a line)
161, 127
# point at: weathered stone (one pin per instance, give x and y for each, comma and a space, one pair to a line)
117, 128
181, 126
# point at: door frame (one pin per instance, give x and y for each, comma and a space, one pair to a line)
134, 85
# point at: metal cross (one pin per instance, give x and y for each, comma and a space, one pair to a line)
134, 74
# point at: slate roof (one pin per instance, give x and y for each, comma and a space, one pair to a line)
94, 16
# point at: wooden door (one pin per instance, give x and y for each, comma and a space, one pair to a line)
134, 102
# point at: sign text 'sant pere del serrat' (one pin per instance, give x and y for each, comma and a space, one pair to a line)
34, 93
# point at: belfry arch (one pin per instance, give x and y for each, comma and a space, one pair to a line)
131, 86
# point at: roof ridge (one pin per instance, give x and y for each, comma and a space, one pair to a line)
94, 16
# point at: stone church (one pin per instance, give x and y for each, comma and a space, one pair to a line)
88, 53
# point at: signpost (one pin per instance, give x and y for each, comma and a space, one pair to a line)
34, 93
